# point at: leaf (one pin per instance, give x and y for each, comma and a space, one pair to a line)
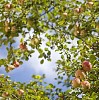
42, 61
48, 44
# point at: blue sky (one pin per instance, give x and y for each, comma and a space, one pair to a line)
33, 66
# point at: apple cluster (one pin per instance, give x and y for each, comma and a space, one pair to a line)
19, 92
80, 76
13, 66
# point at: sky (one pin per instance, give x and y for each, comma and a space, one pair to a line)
33, 66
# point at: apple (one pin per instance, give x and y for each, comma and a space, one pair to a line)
65, 14
35, 41
76, 33
13, 29
10, 67
1, 75
7, 28
5, 94
82, 33
80, 74
85, 85
6, 23
76, 29
8, 6
16, 64
87, 66
75, 82
32, 41
21, 2
90, 3
20, 92
78, 10
23, 46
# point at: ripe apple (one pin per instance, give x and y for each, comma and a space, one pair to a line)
23, 46
10, 67
76, 33
76, 29
20, 92
86, 65
13, 29
76, 82
16, 64
65, 14
80, 74
85, 85
35, 41
6, 28
8, 6
78, 10
5, 94
82, 33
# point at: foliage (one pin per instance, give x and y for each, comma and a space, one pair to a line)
61, 22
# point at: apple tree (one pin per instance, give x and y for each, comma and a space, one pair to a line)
69, 27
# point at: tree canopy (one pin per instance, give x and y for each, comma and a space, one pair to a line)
43, 26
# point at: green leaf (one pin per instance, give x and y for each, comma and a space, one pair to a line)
48, 44
42, 61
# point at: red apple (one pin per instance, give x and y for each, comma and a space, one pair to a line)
16, 63
80, 74
5, 94
76, 82
8, 6
85, 85
23, 46
20, 92
86, 65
